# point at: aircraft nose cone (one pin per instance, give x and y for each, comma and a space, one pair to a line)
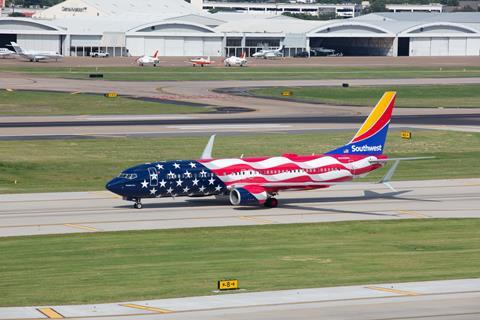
115, 186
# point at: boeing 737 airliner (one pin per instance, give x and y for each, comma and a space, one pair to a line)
257, 181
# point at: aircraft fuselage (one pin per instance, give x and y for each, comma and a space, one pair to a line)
197, 178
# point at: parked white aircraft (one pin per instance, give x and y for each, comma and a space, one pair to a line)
153, 60
35, 56
269, 53
234, 61
4, 52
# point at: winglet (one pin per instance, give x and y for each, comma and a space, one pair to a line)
207, 152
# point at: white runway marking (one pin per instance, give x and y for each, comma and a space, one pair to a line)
230, 126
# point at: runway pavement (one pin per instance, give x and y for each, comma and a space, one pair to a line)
34, 214
441, 300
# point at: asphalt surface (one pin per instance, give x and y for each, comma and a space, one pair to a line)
471, 119
33, 214
54, 213
442, 300
203, 92
269, 115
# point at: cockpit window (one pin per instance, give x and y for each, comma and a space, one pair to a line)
129, 176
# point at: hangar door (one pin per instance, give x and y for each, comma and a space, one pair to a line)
355, 46
212, 47
5, 40
439, 47
193, 47
40, 42
174, 46
147, 46
420, 47
457, 46
473, 47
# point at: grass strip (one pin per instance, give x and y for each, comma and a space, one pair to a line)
136, 265
87, 164
423, 96
34, 103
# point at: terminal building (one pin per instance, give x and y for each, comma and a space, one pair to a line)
178, 28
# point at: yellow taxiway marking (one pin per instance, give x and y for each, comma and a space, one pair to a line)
78, 226
50, 313
413, 213
471, 184
256, 219
401, 292
137, 306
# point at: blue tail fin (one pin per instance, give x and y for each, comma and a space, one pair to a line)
370, 138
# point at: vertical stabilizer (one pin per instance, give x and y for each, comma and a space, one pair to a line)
370, 138
17, 48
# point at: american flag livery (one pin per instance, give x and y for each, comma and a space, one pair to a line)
258, 180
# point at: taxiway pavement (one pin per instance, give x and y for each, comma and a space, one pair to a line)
269, 115
441, 300
54, 213
204, 92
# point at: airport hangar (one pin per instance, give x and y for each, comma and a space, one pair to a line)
177, 28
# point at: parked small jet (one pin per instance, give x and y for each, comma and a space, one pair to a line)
267, 53
153, 60
258, 180
35, 56
235, 61
4, 53
200, 61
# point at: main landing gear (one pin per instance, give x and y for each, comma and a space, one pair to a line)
138, 204
271, 203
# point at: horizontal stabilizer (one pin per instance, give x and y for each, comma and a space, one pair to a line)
400, 159
396, 161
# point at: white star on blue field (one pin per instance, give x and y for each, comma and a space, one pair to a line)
182, 178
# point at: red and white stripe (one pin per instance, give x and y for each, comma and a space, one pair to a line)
286, 172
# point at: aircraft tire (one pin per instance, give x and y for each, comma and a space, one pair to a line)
271, 203
137, 205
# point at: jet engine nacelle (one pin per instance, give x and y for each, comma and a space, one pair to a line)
248, 195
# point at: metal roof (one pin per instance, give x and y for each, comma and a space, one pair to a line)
143, 7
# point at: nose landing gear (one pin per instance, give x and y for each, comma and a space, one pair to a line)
138, 204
